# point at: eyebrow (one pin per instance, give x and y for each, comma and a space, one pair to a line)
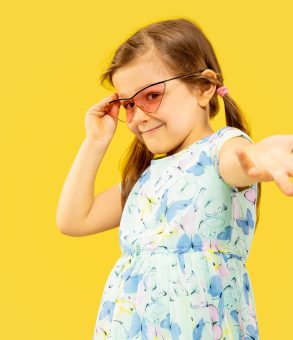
137, 90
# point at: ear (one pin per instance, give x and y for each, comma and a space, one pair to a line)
206, 91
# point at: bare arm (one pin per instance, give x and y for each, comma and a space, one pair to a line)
270, 159
229, 165
104, 214
77, 195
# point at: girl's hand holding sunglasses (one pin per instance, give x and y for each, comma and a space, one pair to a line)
99, 124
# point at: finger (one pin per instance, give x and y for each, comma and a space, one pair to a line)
104, 103
283, 182
254, 172
246, 161
114, 108
103, 107
290, 172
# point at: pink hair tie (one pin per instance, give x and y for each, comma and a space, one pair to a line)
222, 91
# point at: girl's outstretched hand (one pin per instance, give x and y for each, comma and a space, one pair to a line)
270, 159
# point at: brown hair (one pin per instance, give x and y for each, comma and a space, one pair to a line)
182, 46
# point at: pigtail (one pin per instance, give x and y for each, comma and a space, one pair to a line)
235, 118
138, 158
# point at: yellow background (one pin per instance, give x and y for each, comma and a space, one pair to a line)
52, 54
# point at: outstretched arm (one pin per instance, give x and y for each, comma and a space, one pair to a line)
242, 163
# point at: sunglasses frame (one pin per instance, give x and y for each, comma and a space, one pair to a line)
159, 82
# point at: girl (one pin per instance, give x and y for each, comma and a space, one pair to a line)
189, 199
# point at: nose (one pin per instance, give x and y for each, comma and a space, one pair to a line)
139, 115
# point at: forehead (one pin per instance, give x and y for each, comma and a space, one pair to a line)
137, 75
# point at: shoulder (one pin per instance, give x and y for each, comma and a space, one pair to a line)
230, 132
227, 162
231, 144
225, 140
229, 139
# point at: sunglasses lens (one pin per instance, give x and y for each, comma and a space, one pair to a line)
148, 100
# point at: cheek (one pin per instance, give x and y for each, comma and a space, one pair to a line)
132, 128
136, 132
179, 128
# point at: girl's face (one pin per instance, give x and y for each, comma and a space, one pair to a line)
180, 119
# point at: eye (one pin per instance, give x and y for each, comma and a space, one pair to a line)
125, 105
155, 95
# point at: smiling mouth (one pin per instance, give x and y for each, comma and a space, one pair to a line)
150, 131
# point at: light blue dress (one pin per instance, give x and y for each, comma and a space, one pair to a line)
185, 235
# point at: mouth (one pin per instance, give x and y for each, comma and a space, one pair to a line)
151, 130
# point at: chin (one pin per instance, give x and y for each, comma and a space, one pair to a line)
156, 151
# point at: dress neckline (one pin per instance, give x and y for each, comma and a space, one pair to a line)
185, 150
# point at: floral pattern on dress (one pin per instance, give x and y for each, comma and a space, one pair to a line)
185, 235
